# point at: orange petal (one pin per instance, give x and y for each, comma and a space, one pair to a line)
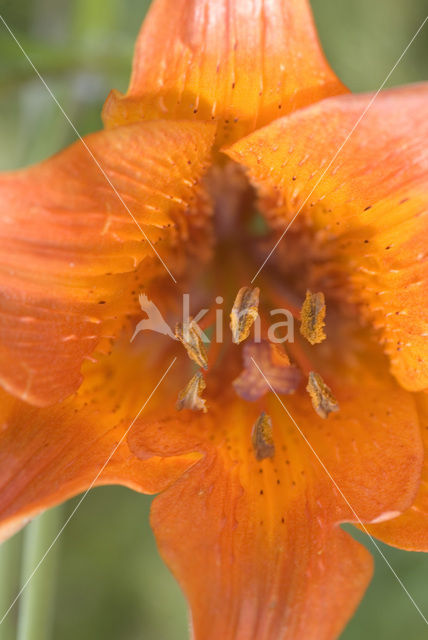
241, 63
264, 532
369, 205
410, 530
48, 455
253, 544
375, 434
68, 245
256, 544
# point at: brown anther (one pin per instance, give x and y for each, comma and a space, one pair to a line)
323, 400
244, 312
190, 396
312, 317
190, 335
262, 437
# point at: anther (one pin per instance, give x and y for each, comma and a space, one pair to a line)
190, 396
323, 400
244, 312
189, 335
262, 438
312, 317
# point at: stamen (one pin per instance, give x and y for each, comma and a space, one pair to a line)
262, 437
244, 312
189, 335
312, 317
190, 396
323, 400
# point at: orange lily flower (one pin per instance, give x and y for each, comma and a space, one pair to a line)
231, 107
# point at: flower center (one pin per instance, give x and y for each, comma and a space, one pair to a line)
259, 335
242, 239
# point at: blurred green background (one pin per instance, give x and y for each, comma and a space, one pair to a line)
111, 583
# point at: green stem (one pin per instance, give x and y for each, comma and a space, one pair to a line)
35, 615
9, 581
